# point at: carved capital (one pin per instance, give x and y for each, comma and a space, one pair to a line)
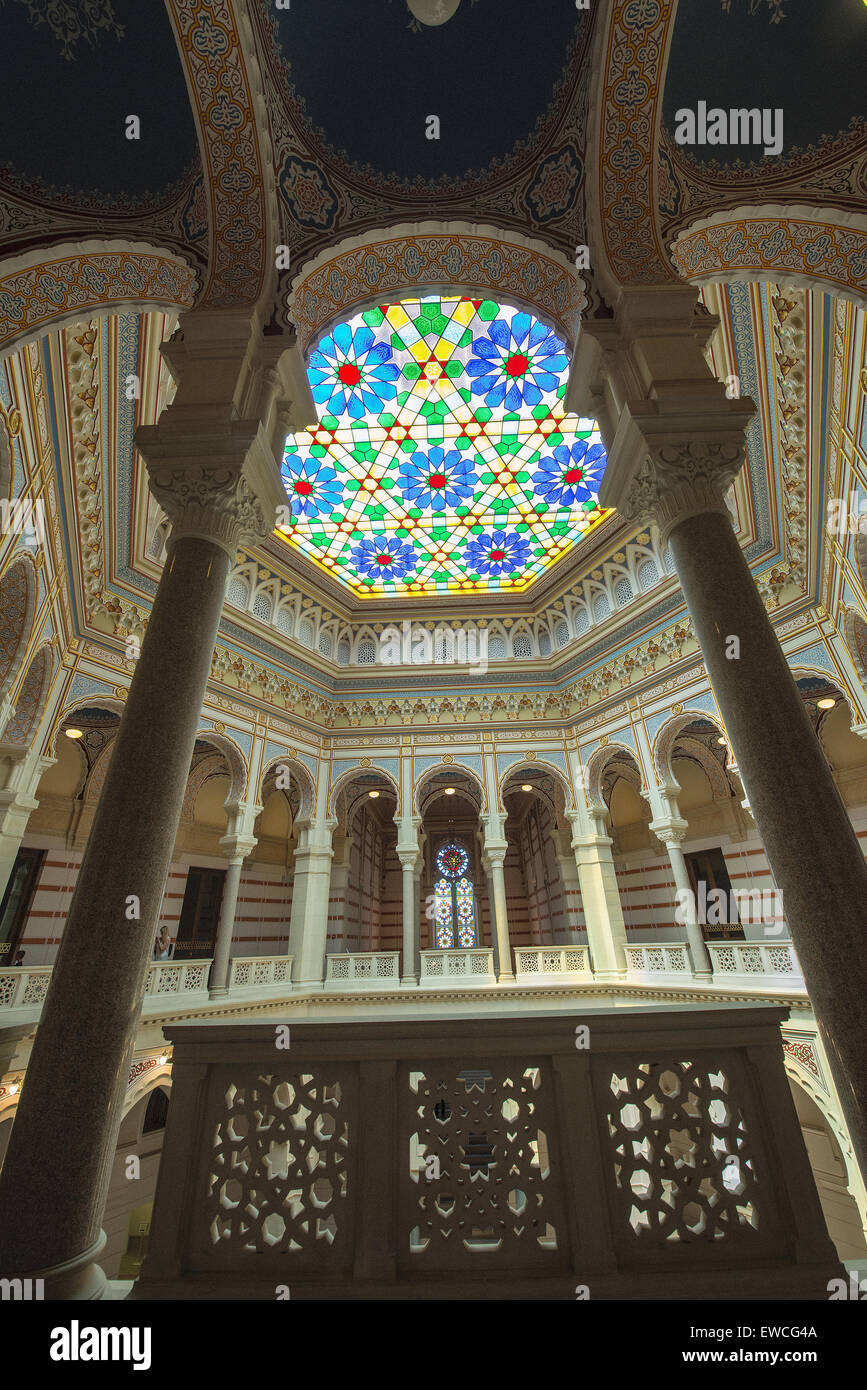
218, 506
683, 479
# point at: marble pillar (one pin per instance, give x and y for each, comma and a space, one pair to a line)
672, 833
410, 961
600, 898
812, 848
495, 855
311, 891
217, 478
237, 848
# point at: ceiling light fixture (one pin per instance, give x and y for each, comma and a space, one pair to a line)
450, 791
526, 786
826, 704
374, 795
721, 740
163, 1060
433, 12
74, 733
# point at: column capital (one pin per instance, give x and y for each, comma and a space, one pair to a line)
670, 832
494, 856
238, 847
409, 857
228, 500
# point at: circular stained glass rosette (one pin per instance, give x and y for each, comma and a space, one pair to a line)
453, 861
443, 460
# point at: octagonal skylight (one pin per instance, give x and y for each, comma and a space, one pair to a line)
443, 461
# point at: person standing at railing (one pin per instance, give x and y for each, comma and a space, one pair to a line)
163, 944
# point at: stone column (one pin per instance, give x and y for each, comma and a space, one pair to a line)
217, 478
308, 924
409, 973
492, 916
676, 469
672, 833
495, 855
600, 897
237, 848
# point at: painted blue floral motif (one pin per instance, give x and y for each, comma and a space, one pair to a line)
516, 363
436, 479
497, 552
384, 557
570, 475
352, 374
312, 486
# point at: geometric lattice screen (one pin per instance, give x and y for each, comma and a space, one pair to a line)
443, 460
681, 1153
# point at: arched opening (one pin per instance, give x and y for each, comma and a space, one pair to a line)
456, 913
541, 875
842, 1217
365, 911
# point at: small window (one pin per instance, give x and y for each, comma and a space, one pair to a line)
601, 608
262, 607
237, 593
325, 646
285, 621
582, 621
496, 649
305, 633
343, 653
366, 654
622, 592
561, 634
156, 1112
647, 576
544, 644
522, 647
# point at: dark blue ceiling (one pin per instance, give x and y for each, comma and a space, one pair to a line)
64, 99
367, 82
812, 65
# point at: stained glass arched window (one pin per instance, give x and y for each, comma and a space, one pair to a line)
454, 899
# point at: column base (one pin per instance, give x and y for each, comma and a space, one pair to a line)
506, 978
409, 980
79, 1280
218, 992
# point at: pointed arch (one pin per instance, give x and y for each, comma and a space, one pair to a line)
18, 591
234, 757
598, 762
667, 736
32, 698
437, 771
306, 784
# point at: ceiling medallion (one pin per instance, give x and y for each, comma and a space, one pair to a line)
432, 12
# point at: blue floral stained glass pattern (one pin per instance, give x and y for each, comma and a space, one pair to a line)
442, 460
454, 900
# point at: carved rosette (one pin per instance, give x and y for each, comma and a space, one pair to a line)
218, 506
683, 479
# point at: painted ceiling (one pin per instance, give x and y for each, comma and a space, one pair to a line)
96, 64
443, 461
811, 64
362, 92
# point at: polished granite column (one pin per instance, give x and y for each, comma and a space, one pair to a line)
216, 477
813, 850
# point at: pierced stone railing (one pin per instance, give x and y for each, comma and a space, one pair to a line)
363, 967
24, 986
662, 958
554, 1162
442, 966
552, 960
177, 977
755, 962
254, 972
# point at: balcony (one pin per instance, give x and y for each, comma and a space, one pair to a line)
737, 965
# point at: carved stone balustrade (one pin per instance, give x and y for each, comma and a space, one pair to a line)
640, 1153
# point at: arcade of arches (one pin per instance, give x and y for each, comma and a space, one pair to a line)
429, 629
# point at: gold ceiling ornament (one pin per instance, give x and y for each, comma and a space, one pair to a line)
293, 752
531, 757
448, 758
677, 709
218, 727
365, 762
603, 742
121, 692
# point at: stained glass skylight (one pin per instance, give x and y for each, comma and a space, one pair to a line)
443, 460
